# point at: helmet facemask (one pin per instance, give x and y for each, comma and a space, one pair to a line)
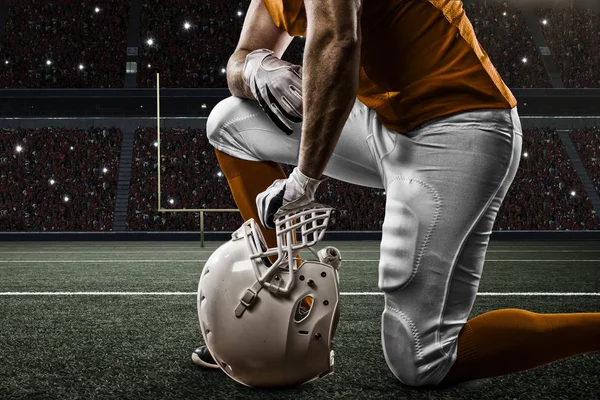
309, 224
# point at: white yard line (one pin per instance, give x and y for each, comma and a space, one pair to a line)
486, 294
203, 260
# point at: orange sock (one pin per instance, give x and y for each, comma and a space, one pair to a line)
246, 180
507, 341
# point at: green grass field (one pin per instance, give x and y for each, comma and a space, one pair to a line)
117, 344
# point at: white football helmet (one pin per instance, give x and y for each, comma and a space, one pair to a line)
271, 324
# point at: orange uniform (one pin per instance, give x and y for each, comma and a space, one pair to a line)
420, 60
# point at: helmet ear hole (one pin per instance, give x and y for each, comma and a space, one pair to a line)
303, 308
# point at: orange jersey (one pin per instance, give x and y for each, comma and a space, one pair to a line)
420, 60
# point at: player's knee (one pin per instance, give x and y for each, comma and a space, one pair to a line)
413, 362
218, 117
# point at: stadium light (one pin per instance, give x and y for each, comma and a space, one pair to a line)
71, 148
81, 67
239, 13
504, 13
48, 62
526, 154
19, 149
524, 60
545, 22
149, 65
203, 105
222, 70
105, 170
97, 10
171, 201
52, 181
66, 199
572, 193
187, 25
150, 42
155, 144
6, 62
219, 174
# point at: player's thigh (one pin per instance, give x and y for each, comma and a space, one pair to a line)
441, 181
240, 128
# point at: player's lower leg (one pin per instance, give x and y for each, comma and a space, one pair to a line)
510, 340
246, 180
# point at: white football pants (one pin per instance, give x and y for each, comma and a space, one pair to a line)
444, 181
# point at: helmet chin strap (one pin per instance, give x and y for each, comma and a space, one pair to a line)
248, 298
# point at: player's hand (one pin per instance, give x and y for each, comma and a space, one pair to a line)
286, 195
277, 85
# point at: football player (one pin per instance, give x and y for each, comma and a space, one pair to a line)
394, 94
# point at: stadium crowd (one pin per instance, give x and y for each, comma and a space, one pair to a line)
190, 42
56, 179
518, 62
192, 57
65, 180
587, 142
64, 44
573, 37
547, 193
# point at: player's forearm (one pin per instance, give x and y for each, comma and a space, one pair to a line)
235, 75
330, 82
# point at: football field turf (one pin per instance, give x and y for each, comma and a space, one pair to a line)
117, 320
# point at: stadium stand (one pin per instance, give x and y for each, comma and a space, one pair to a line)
519, 64
546, 194
64, 44
190, 43
587, 142
56, 179
192, 57
573, 37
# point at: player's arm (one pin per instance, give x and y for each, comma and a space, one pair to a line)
330, 78
259, 32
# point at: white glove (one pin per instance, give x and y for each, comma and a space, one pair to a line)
286, 195
277, 85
